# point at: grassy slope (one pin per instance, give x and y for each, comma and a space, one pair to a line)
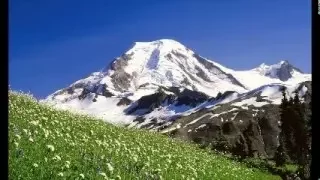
85, 147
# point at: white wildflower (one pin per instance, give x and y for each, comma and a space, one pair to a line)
60, 174
82, 176
34, 123
67, 164
57, 157
31, 140
35, 165
135, 159
19, 137
117, 143
110, 168
50, 147
103, 174
16, 144
147, 164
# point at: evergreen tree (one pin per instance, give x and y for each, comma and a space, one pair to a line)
281, 155
291, 125
300, 124
296, 99
294, 138
306, 170
309, 123
284, 100
291, 101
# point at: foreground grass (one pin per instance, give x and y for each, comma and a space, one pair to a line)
270, 166
48, 144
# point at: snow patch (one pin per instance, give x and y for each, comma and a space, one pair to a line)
194, 121
201, 126
250, 101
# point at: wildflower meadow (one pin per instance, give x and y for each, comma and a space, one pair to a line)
45, 143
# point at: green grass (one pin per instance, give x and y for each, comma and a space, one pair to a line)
291, 167
49, 144
270, 166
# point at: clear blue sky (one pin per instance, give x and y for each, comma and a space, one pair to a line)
53, 43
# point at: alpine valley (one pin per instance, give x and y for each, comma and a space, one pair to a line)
166, 87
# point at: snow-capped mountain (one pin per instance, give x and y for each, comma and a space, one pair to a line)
155, 83
282, 71
148, 65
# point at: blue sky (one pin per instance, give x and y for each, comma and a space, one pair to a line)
56, 42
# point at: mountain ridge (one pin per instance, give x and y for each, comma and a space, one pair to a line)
167, 64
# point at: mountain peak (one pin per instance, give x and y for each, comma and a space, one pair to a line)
283, 70
262, 66
284, 62
165, 42
163, 45
166, 62
159, 41
279, 64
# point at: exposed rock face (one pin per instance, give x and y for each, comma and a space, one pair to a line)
121, 80
105, 92
269, 125
188, 97
254, 140
120, 62
84, 94
150, 102
124, 101
285, 71
242, 132
153, 101
215, 69
307, 95
282, 71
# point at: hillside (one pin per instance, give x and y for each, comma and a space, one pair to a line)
45, 143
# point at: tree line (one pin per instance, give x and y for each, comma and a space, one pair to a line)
295, 136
